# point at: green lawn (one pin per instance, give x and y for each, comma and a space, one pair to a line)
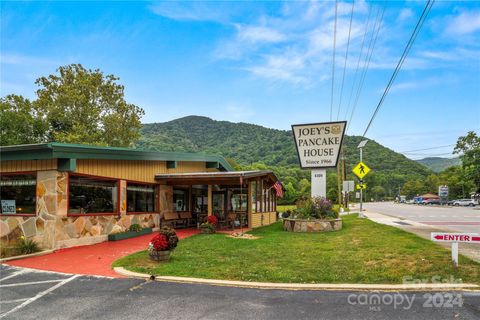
362, 252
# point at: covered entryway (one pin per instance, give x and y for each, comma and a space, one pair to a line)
236, 198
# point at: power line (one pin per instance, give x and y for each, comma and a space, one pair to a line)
371, 47
431, 148
333, 64
410, 42
358, 61
346, 57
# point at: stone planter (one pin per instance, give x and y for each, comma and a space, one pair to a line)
207, 230
160, 256
128, 234
311, 225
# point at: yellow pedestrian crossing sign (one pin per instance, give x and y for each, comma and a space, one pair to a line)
361, 186
361, 170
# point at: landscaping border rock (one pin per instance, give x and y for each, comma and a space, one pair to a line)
311, 225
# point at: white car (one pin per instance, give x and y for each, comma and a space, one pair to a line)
464, 203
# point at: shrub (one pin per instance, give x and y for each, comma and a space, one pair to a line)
135, 227
316, 208
171, 237
212, 220
27, 246
211, 223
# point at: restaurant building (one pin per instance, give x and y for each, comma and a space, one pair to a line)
64, 195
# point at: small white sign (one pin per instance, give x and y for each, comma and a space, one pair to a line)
348, 186
318, 144
443, 191
455, 237
9, 207
319, 183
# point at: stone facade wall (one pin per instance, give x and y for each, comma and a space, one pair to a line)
51, 227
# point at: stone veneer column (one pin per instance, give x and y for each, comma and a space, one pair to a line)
125, 220
51, 206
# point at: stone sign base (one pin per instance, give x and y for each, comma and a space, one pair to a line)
314, 225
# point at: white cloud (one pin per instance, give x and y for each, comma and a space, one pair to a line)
24, 60
405, 14
466, 22
259, 34
192, 11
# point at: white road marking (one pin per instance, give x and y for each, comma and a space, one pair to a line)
13, 301
16, 273
28, 283
38, 296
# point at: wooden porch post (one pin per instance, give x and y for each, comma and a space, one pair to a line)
210, 200
249, 203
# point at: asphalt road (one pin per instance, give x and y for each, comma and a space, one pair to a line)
40, 295
458, 219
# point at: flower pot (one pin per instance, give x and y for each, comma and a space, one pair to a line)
207, 230
160, 256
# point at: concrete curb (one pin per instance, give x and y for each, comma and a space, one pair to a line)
36, 254
306, 286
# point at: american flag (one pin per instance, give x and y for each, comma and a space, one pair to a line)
279, 189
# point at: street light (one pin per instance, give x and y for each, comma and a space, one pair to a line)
361, 145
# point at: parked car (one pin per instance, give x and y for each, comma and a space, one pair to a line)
430, 201
464, 203
417, 200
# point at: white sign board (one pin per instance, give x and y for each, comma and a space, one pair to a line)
443, 191
348, 186
8, 207
319, 183
455, 237
318, 144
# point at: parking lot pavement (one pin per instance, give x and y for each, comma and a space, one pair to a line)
28, 294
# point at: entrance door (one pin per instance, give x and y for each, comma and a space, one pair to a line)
219, 210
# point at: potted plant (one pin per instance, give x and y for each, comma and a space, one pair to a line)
162, 245
210, 225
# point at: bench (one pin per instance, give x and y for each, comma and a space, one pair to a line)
171, 219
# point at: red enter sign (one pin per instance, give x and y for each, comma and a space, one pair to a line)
455, 237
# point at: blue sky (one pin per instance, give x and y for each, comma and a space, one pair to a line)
268, 63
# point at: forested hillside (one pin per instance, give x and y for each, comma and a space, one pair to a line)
252, 146
438, 164
248, 144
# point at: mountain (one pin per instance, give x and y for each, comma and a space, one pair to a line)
438, 164
248, 143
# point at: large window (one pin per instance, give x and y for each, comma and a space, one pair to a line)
180, 200
140, 198
254, 196
92, 195
18, 193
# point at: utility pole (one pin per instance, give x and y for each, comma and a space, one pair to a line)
339, 184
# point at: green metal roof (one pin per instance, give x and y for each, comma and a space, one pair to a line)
56, 150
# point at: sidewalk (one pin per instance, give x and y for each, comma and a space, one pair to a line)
423, 230
93, 259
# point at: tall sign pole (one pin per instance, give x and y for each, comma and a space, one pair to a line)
360, 171
318, 146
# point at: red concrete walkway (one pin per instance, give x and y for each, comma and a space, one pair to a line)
94, 259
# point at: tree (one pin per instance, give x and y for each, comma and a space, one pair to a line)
20, 122
75, 106
432, 183
469, 147
378, 192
